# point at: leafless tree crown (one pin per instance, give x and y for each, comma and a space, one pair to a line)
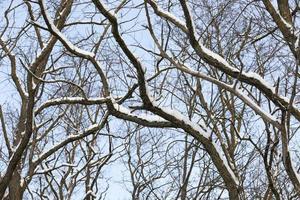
153, 99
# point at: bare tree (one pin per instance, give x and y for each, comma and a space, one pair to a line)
193, 99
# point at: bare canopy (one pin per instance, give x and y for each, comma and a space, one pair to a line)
165, 99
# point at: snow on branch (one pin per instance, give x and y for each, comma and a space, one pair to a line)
71, 100
142, 119
68, 44
220, 63
88, 131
